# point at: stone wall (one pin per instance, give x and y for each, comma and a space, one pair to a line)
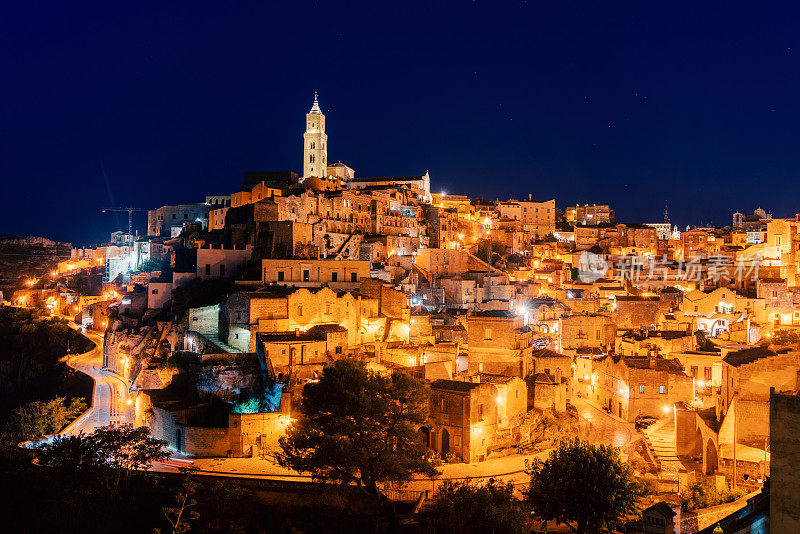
784, 493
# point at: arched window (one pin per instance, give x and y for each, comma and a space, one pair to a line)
313, 145
311, 158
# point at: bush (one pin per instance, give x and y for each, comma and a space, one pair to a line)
702, 495
467, 508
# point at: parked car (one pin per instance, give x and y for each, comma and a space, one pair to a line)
644, 421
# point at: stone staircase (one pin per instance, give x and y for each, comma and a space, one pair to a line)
660, 439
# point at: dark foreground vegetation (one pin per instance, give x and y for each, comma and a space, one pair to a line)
31, 344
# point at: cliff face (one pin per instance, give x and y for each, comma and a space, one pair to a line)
25, 258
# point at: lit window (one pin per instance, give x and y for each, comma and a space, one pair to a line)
662, 389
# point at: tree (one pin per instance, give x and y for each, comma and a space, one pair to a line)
585, 484
129, 448
34, 420
123, 449
77, 452
466, 508
785, 337
356, 426
180, 513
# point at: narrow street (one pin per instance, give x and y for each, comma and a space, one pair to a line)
600, 427
109, 404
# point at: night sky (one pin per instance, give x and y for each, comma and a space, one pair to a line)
631, 104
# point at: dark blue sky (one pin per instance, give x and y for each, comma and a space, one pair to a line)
626, 103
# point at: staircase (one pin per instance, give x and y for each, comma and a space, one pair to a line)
660, 439
338, 252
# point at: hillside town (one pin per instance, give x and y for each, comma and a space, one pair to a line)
677, 344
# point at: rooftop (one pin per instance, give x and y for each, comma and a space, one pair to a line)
455, 386
745, 356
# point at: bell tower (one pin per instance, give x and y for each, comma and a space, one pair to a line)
315, 143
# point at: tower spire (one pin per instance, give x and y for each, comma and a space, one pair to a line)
315, 107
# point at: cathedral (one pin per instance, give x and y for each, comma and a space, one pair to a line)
325, 176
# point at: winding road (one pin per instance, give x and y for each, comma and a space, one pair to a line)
111, 404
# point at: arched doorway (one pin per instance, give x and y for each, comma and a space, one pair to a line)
445, 441
425, 432
697, 449
711, 458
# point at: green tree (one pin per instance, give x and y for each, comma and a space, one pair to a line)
356, 426
583, 484
466, 508
36, 419
785, 337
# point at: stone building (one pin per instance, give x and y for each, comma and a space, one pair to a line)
630, 386
469, 419
499, 342
166, 220
747, 376
784, 492
298, 357
315, 143
588, 330
314, 273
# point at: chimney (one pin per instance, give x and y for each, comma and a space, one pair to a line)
530, 196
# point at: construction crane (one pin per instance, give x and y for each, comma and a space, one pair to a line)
130, 215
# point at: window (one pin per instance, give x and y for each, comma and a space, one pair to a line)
238, 315
306, 275
597, 334
300, 310
334, 276
222, 270
208, 269
443, 407
236, 336
338, 349
662, 389
777, 240
480, 412
694, 371
354, 277
487, 334
280, 276
641, 388
155, 292
707, 373
312, 145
